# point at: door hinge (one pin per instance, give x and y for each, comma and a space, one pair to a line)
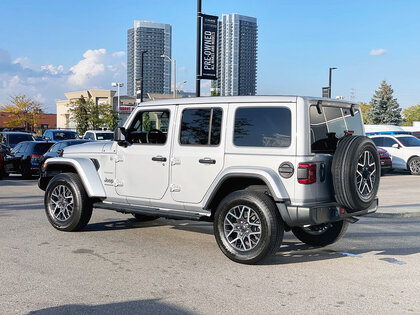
175, 161
118, 183
175, 188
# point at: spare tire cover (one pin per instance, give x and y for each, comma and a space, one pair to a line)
356, 172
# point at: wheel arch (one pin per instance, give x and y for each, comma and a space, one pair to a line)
85, 168
242, 178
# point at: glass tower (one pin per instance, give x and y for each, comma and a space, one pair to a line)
157, 40
237, 58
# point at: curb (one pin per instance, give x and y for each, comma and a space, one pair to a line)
394, 215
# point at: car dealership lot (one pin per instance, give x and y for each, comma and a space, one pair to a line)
117, 265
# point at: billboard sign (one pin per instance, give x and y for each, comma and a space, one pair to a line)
208, 58
326, 91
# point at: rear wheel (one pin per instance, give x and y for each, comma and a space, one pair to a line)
248, 226
414, 165
322, 234
67, 204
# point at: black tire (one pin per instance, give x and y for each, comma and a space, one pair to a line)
321, 235
356, 186
82, 205
144, 218
414, 165
265, 214
26, 172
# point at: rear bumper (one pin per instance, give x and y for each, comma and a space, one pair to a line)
319, 213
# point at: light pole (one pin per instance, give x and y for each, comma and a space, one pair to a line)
118, 85
174, 71
329, 84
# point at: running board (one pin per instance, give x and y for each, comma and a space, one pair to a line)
169, 214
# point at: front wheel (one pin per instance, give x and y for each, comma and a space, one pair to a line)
67, 204
248, 226
322, 234
414, 166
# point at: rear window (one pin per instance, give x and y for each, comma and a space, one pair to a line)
104, 136
331, 125
41, 148
16, 138
64, 135
262, 127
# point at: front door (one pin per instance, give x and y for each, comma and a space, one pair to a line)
142, 167
198, 151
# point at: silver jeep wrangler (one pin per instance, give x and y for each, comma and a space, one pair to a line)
255, 166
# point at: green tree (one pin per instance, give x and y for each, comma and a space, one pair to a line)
411, 114
89, 115
24, 112
384, 108
365, 108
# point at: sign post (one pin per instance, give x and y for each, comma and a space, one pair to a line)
206, 59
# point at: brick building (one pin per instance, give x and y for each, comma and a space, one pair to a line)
46, 121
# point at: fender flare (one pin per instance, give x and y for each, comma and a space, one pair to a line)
87, 171
269, 176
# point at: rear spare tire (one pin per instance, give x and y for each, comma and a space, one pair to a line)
356, 172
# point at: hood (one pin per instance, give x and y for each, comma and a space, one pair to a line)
94, 147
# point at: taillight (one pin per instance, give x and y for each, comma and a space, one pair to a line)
306, 173
35, 156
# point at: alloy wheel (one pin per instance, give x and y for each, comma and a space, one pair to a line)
61, 203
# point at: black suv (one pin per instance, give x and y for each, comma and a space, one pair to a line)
24, 158
12, 138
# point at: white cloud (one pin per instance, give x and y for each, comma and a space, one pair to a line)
118, 54
47, 83
182, 69
377, 52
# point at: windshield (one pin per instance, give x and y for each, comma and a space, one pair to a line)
14, 139
60, 135
104, 136
409, 141
331, 125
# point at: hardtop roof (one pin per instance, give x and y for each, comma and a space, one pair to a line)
243, 99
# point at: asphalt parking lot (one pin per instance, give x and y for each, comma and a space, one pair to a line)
117, 265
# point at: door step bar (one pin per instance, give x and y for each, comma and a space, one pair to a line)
169, 214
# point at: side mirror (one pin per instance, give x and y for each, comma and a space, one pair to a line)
47, 138
60, 152
396, 146
120, 135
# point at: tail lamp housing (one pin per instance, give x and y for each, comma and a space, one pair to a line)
306, 173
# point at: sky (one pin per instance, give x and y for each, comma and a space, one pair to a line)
50, 47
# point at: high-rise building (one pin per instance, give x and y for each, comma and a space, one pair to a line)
156, 39
237, 58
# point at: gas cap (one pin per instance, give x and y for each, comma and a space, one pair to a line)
286, 169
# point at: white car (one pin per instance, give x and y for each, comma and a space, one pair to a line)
99, 135
405, 151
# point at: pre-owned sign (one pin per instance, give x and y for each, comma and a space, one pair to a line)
208, 47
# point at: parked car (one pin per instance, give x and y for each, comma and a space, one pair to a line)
404, 149
11, 138
1, 164
24, 158
98, 135
54, 151
59, 135
254, 166
386, 162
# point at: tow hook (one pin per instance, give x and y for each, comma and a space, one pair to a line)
351, 219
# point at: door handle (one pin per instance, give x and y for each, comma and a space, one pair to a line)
159, 158
207, 161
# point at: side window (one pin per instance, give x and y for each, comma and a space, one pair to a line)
149, 127
388, 142
201, 126
379, 141
262, 127
16, 149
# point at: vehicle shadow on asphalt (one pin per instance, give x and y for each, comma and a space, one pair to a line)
150, 306
130, 223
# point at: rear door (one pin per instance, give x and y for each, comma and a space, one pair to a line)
198, 151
